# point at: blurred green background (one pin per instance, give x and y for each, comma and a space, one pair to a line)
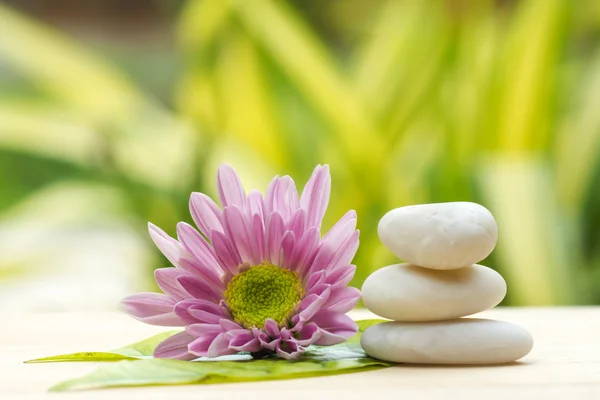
112, 112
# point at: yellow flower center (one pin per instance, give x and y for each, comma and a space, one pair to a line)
261, 292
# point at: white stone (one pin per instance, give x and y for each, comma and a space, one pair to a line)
404, 292
461, 341
441, 235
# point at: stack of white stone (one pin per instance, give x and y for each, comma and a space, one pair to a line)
440, 283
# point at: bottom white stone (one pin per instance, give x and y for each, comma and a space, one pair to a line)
459, 341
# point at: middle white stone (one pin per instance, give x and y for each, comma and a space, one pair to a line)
404, 292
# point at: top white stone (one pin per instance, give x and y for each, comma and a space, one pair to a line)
441, 235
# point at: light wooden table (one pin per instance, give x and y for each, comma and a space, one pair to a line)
564, 364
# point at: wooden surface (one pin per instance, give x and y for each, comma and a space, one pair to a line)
564, 364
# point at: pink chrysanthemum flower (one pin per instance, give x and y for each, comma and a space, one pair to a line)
260, 278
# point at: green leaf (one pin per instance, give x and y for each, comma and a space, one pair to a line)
146, 347
318, 361
131, 352
171, 372
84, 356
135, 368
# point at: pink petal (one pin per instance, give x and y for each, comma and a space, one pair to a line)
255, 204
318, 281
331, 256
152, 308
289, 349
314, 279
274, 233
204, 316
204, 274
236, 332
199, 248
285, 198
319, 288
285, 334
346, 252
227, 255
315, 196
220, 346
342, 299
228, 325
257, 238
206, 214
271, 328
166, 278
324, 255
311, 304
244, 342
265, 341
335, 327
286, 252
200, 330
200, 311
305, 251
239, 230
167, 245
340, 275
297, 223
342, 229
308, 334
270, 195
200, 346
200, 289
175, 347
229, 186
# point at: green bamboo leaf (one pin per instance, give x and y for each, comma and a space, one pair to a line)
201, 25
48, 131
578, 143
355, 144
382, 56
394, 72
200, 22
306, 61
469, 99
19, 184
247, 101
101, 90
525, 106
535, 259
106, 107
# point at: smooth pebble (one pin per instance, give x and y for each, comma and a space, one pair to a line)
461, 341
440, 235
405, 292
